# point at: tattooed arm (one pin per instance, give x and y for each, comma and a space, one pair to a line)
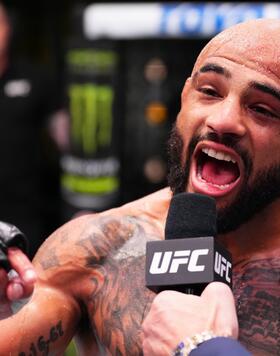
90, 272
47, 323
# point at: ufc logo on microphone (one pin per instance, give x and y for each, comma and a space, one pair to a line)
170, 261
222, 266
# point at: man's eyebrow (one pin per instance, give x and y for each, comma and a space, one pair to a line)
266, 88
211, 67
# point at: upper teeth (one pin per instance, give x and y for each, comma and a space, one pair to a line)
218, 155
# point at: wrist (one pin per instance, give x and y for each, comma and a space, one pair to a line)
185, 347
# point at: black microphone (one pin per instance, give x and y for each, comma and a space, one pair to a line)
10, 236
189, 258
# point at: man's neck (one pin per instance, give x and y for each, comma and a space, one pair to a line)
258, 238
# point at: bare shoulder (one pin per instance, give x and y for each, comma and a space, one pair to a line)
157, 201
86, 241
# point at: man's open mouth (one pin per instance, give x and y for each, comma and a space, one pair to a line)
215, 171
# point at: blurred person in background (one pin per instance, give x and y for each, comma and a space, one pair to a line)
28, 100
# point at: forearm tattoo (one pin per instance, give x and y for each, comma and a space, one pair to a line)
41, 346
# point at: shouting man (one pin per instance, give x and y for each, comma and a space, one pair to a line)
226, 144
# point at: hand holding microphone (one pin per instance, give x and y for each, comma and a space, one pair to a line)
190, 257
175, 316
189, 260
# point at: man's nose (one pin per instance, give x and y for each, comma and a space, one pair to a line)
227, 118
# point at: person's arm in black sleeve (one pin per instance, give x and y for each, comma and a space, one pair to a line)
220, 346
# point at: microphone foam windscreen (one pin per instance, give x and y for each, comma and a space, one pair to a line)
191, 215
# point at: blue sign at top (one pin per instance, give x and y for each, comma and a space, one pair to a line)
209, 19
144, 20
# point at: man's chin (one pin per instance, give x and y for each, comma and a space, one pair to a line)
226, 223
223, 199
228, 217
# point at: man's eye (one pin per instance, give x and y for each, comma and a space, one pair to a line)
209, 91
264, 111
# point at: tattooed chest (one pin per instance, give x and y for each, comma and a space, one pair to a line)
119, 308
257, 292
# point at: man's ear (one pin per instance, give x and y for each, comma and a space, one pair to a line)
186, 88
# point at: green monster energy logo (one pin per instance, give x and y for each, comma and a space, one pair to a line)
91, 116
90, 185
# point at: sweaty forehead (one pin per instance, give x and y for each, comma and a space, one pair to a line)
253, 43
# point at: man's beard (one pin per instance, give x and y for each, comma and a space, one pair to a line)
264, 189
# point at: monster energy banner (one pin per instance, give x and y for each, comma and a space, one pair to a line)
90, 170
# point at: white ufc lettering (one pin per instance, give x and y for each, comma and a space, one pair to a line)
222, 266
156, 267
169, 261
193, 266
180, 258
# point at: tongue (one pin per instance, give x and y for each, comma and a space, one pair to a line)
219, 172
